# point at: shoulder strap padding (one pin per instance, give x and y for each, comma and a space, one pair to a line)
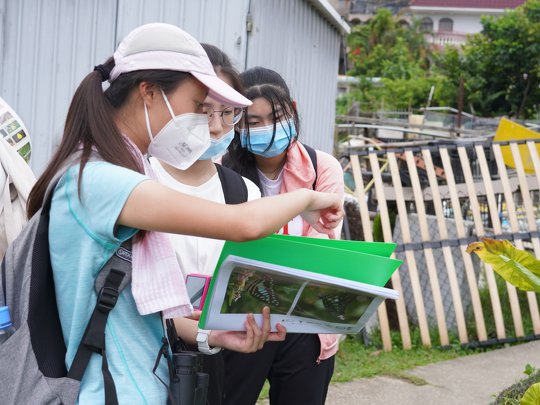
119, 261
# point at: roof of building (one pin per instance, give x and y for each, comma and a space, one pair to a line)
488, 4
327, 11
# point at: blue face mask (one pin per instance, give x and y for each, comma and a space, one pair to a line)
218, 147
260, 138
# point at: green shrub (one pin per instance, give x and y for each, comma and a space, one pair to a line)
513, 394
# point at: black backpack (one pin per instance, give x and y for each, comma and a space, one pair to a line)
33, 359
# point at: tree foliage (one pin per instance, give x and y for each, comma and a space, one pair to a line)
384, 48
401, 57
499, 66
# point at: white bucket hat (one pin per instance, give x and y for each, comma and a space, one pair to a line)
167, 47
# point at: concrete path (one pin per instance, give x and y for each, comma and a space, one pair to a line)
474, 379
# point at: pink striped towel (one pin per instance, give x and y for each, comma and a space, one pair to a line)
157, 282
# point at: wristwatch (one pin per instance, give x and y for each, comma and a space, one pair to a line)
202, 342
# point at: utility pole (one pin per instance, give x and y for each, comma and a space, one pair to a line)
460, 105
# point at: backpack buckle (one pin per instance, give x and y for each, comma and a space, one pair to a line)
107, 299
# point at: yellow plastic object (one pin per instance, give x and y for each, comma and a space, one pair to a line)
510, 131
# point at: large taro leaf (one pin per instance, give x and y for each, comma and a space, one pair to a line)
516, 266
531, 396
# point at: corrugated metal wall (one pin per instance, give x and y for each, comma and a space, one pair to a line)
48, 46
219, 22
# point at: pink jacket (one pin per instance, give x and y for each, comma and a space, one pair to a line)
298, 172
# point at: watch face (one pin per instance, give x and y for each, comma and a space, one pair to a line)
201, 337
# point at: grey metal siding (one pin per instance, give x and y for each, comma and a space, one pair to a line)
49, 46
221, 23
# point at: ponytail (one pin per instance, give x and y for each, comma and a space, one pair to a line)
89, 125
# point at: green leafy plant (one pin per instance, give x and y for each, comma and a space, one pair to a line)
529, 370
522, 270
516, 266
531, 396
514, 395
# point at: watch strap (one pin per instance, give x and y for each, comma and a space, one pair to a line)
202, 342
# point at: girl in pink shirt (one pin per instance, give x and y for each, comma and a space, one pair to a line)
267, 151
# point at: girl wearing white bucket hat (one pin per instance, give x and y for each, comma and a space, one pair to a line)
159, 77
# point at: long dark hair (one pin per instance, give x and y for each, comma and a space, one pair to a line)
90, 123
268, 84
222, 65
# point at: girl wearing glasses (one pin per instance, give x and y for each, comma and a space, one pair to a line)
197, 254
267, 151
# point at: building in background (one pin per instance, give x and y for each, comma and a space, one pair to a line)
343, 7
49, 46
362, 11
446, 22
452, 20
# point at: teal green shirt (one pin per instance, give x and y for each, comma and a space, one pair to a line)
83, 236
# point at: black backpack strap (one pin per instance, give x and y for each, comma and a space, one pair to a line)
121, 261
233, 185
43, 320
111, 280
3, 280
93, 340
313, 156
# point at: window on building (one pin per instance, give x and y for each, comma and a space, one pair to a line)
446, 25
427, 24
404, 24
359, 7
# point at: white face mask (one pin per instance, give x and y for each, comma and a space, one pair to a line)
182, 140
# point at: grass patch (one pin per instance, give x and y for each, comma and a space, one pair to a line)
354, 360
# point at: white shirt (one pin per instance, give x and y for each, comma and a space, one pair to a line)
196, 254
270, 187
273, 187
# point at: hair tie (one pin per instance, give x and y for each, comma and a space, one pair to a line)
105, 73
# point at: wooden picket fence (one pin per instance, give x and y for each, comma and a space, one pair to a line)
453, 193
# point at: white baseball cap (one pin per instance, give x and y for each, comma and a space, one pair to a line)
166, 47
